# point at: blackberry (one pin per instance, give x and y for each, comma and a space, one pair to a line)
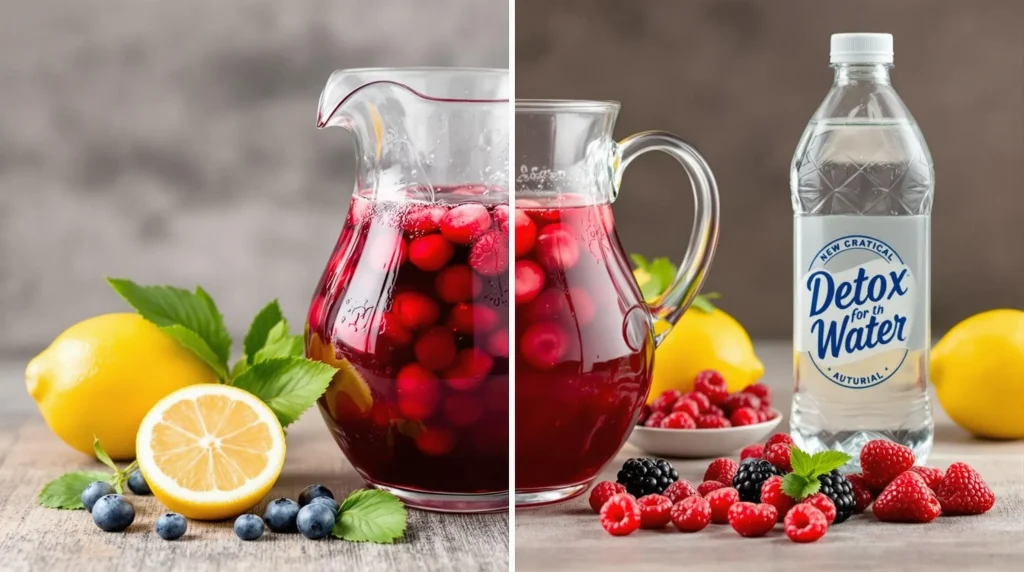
750, 476
835, 486
646, 476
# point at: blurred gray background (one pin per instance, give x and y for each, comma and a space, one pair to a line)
174, 142
740, 79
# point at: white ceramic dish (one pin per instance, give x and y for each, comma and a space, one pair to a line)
700, 443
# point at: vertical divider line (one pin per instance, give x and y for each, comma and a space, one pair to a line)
512, 282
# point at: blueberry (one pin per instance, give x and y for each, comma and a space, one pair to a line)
329, 502
313, 491
315, 520
113, 513
280, 515
170, 526
137, 483
94, 491
249, 527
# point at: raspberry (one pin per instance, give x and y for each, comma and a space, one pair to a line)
680, 490
529, 281
882, 461
778, 438
393, 330
526, 233
678, 420
861, 493
752, 520
666, 400
907, 499
467, 319
771, 493
655, 419
763, 392
804, 523
778, 455
824, 504
932, 476
435, 441
744, 416
620, 515
722, 470
963, 491
456, 283
430, 252
500, 214
692, 514
462, 409
687, 406
703, 403
715, 410
543, 345
556, 247
766, 414
469, 370
465, 222
655, 511
489, 254
711, 384
582, 306
708, 421
417, 392
645, 412
602, 492
754, 451
720, 500
414, 310
497, 343
707, 486
737, 401
435, 348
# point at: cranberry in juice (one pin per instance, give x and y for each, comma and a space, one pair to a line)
584, 347
413, 310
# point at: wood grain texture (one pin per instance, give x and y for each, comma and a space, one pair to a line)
34, 538
569, 537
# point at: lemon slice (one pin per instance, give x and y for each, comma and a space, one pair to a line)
210, 451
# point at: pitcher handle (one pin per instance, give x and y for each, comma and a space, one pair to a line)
673, 302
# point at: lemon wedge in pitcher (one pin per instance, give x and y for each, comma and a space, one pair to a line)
210, 451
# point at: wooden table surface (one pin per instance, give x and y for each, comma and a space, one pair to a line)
35, 538
568, 536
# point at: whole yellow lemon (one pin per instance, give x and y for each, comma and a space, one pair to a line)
704, 338
978, 372
101, 376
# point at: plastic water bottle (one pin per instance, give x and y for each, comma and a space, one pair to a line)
862, 181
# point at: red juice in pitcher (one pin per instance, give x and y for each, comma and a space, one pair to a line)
583, 344
413, 310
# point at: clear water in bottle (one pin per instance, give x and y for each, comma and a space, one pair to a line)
862, 181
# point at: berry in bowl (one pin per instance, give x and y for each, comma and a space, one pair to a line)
706, 422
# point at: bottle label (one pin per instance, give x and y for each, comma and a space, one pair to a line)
858, 300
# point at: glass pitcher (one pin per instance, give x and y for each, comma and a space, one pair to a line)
583, 333
413, 305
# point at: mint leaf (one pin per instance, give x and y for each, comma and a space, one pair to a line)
240, 366
289, 386
65, 492
824, 462
170, 306
192, 341
801, 462
369, 515
266, 319
703, 302
280, 344
102, 454
639, 260
799, 487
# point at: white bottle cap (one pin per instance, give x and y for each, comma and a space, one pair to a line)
861, 48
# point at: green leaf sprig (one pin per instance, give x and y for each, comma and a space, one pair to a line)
272, 366
370, 515
803, 481
659, 274
65, 492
